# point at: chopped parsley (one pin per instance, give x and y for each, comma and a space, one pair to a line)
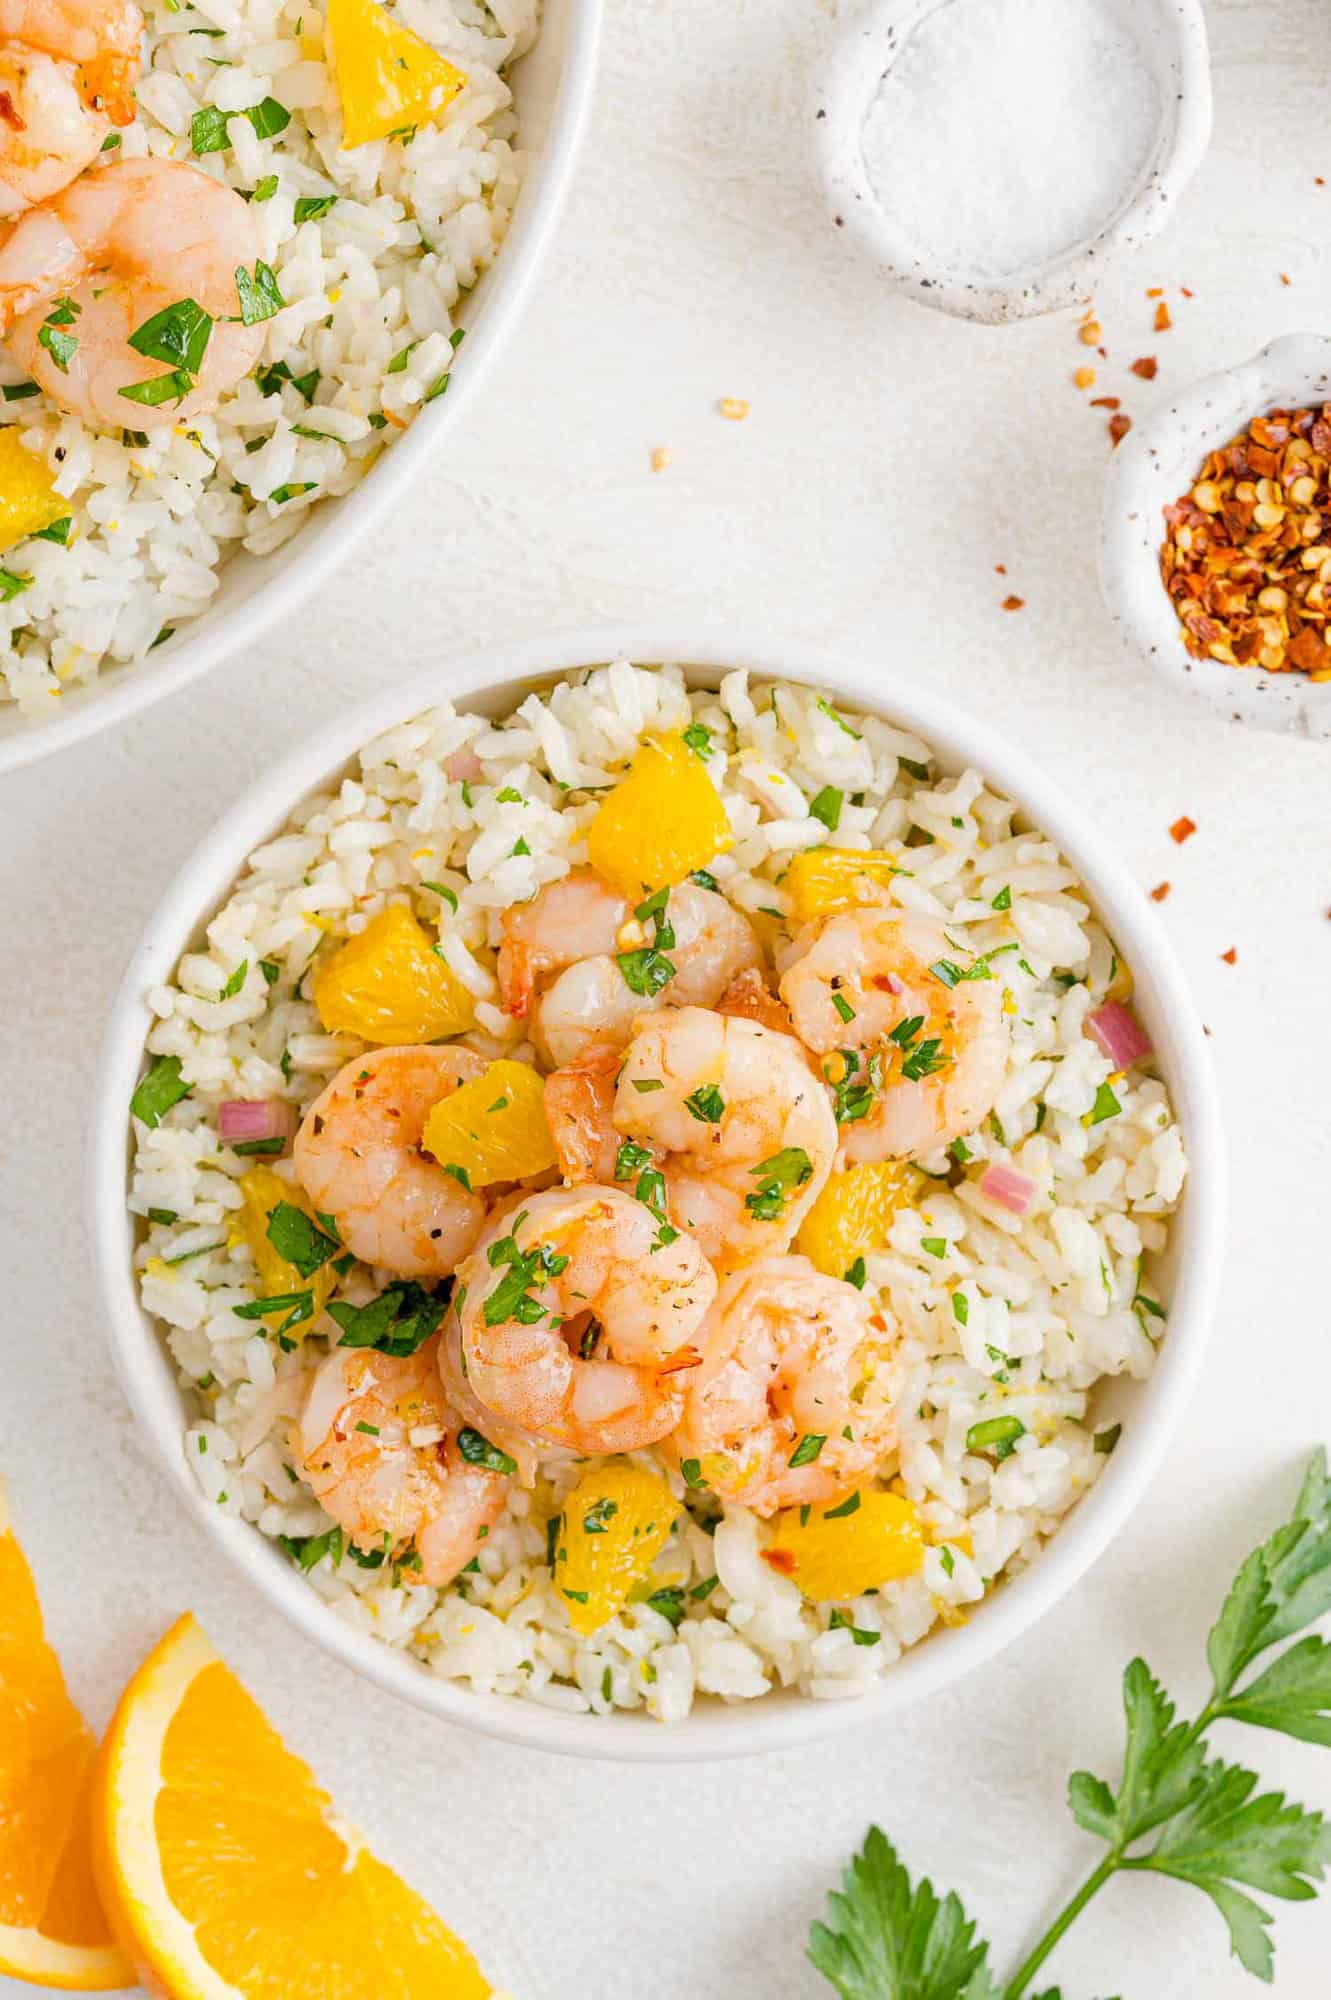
699, 739
300, 1240
777, 1178
935, 1246
158, 1091
848, 1506
208, 128
645, 971
511, 1297
259, 293
843, 1007
961, 1306
398, 1322
691, 1469
998, 1434
311, 206
845, 727
705, 881
826, 806
707, 1105
1106, 1105
857, 1274
236, 981
807, 1450
1003, 900
478, 1450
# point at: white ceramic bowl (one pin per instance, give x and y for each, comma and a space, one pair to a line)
552, 89
1159, 460
495, 682
1172, 36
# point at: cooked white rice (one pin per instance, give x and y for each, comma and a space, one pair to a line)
1056, 1299
371, 286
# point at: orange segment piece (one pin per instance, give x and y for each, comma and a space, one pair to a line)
661, 821
52, 1930
613, 1526
823, 880
854, 1212
836, 1553
225, 1867
388, 984
28, 499
494, 1128
387, 78
262, 1190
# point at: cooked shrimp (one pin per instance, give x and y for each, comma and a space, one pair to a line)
560, 960
83, 271
579, 1109
792, 1357
923, 1017
357, 1155
579, 1315
377, 1441
746, 1128
100, 38
66, 70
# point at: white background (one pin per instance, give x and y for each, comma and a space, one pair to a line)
891, 460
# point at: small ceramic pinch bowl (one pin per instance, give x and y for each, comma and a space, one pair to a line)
1158, 461
1171, 35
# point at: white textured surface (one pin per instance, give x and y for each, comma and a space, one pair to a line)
891, 459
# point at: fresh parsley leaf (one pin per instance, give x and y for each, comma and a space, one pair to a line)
778, 1177
178, 335
301, 1241
311, 206
645, 971
888, 1938
478, 1450
158, 1091
259, 293
826, 806
707, 1104
399, 1321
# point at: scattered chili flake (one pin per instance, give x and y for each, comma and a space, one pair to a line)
1156, 292
1284, 278
1119, 426
1230, 957
1182, 829
1160, 891
1146, 366
1186, 293
1246, 556
1000, 569
1317, 178
1013, 603
1105, 402
1084, 377
1162, 320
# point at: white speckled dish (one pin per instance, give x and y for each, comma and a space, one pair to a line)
1172, 35
1155, 464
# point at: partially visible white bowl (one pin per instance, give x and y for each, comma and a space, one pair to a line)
1158, 461
494, 682
552, 89
1172, 35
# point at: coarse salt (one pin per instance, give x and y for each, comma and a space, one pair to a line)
1008, 132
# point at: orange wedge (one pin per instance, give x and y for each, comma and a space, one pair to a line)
52, 1930
224, 1868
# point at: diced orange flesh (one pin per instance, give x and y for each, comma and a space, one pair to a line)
227, 1870
823, 880
262, 1190
834, 1555
388, 985
854, 1212
613, 1526
388, 78
53, 1932
661, 821
28, 499
494, 1127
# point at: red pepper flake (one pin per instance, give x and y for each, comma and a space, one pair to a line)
1160, 891
1230, 957
1119, 426
1000, 569
1156, 292
1146, 366
1186, 293
1162, 320
1182, 829
781, 1560
1105, 402
1284, 277
1318, 181
1013, 603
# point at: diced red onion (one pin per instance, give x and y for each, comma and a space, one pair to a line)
246, 1118
1011, 1190
1119, 1033
464, 766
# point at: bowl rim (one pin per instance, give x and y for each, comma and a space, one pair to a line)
712, 1731
312, 557
1061, 281
1157, 461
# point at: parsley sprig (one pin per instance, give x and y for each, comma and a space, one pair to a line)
1175, 1811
